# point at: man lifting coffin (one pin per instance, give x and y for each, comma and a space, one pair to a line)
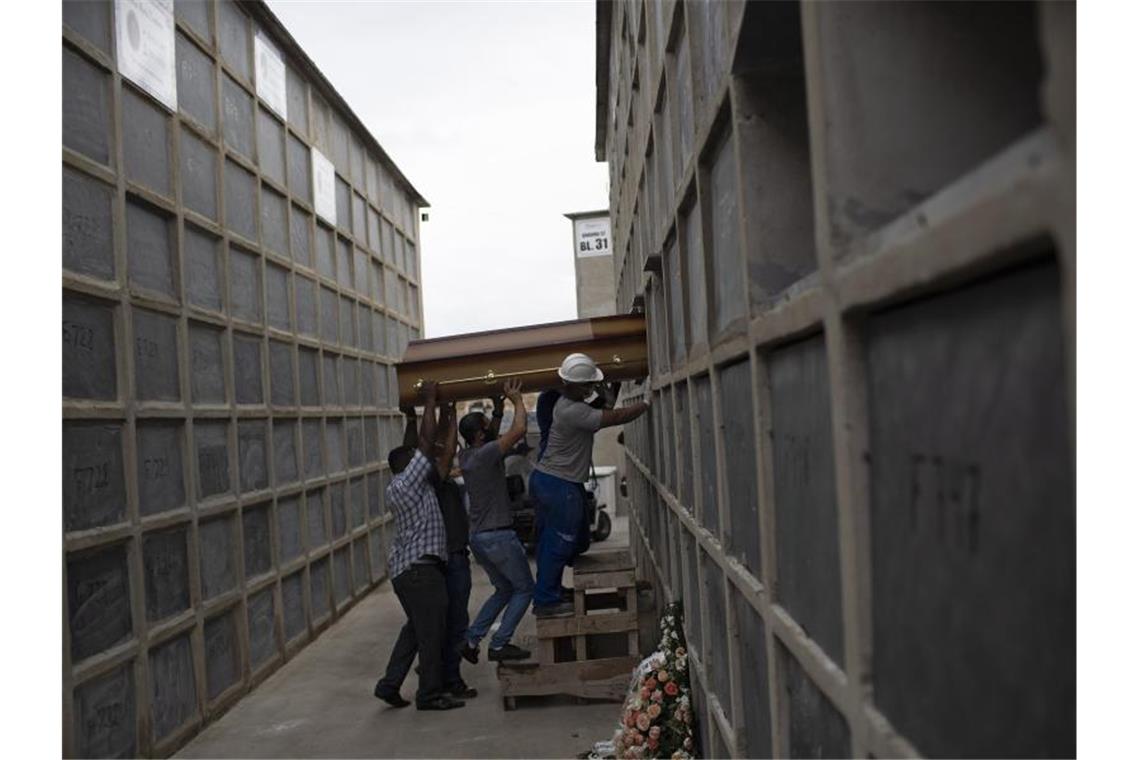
557, 481
417, 564
493, 540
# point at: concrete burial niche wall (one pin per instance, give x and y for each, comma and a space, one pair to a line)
226, 372
851, 227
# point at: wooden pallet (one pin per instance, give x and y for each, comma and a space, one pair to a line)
591, 654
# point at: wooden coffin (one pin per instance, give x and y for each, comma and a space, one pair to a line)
474, 365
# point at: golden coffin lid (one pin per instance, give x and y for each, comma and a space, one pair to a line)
474, 365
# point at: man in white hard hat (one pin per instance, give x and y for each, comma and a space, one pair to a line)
558, 478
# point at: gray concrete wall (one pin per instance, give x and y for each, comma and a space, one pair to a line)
228, 382
852, 228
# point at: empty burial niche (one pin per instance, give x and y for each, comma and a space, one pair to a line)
970, 454
771, 124
173, 692
815, 728
94, 492
223, 659
945, 87
217, 555
807, 538
262, 638
88, 349
98, 601
156, 354
166, 573
104, 710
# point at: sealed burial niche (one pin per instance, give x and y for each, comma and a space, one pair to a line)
970, 457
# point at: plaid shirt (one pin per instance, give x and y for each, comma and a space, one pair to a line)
419, 523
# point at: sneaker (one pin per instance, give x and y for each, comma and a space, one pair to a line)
469, 653
442, 702
562, 609
507, 652
391, 697
461, 691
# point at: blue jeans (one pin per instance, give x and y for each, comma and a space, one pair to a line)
501, 554
563, 532
458, 576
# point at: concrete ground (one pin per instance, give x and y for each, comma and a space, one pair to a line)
320, 704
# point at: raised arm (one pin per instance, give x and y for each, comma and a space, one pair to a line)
448, 439
426, 442
513, 390
624, 414
411, 433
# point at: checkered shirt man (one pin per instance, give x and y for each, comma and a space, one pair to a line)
419, 523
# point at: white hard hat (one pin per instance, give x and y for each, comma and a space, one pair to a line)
579, 368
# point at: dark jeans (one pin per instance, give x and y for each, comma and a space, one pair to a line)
563, 532
501, 554
422, 591
458, 594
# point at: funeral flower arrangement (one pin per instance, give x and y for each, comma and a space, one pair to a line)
657, 718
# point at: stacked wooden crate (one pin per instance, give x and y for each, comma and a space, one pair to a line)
592, 653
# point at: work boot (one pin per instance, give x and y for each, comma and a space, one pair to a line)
562, 609
391, 697
469, 653
507, 652
567, 594
461, 691
442, 702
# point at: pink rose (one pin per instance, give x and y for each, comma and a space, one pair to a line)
645, 692
638, 739
630, 720
652, 743
643, 722
671, 688
655, 732
653, 711
662, 676
657, 696
651, 683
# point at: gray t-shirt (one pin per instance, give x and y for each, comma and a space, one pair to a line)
486, 482
571, 442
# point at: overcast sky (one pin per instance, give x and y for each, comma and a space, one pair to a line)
488, 108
